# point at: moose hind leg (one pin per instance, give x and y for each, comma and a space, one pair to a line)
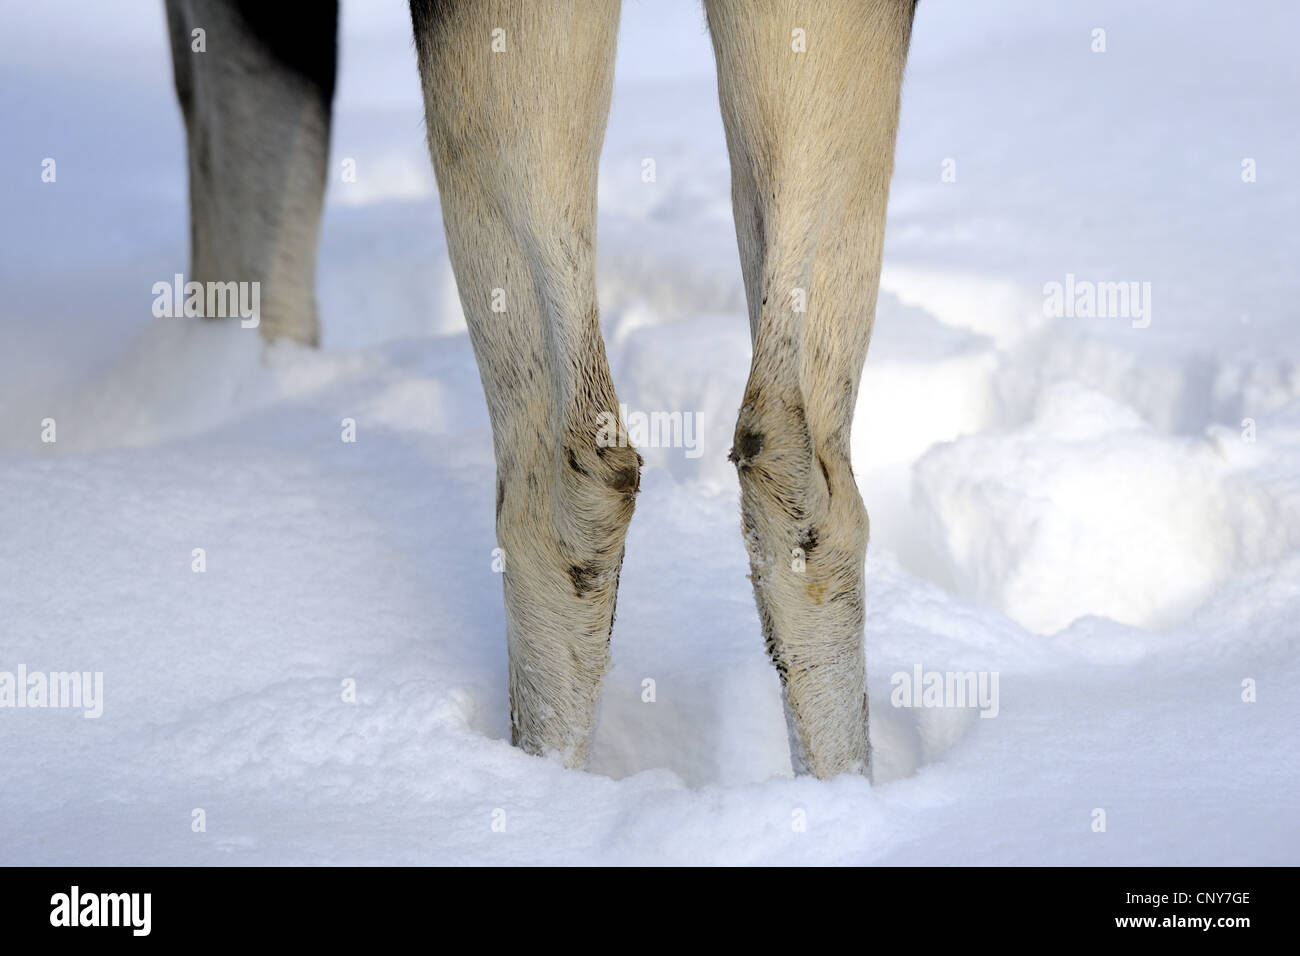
516, 95
809, 93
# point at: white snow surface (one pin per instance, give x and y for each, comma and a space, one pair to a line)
1078, 505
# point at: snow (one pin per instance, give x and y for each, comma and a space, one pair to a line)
1105, 516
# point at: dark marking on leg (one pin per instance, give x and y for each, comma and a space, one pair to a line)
770, 643
585, 577
613, 606
429, 16
627, 480
747, 447
307, 45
